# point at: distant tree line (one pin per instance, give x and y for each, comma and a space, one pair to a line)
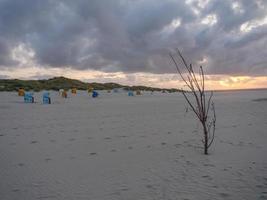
66, 83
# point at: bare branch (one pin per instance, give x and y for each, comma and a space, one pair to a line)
196, 85
213, 125
176, 65
211, 94
190, 104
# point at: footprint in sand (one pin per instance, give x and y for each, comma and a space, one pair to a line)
263, 197
122, 136
177, 145
169, 132
130, 147
34, 142
124, 189
239, 174
48, 159
72, 139
93, 153
163, 143
149, 186
12, 144
209, 165
89, 138
15, 190
117, 193
53, 141
21, 164
224, 195
113, 150
207, 177
107, 138
1, 135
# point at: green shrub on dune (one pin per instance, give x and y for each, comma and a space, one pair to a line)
58, 83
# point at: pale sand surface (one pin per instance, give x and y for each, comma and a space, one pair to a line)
143, 147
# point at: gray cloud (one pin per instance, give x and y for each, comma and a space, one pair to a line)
134, 35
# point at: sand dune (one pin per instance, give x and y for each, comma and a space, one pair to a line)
141, 147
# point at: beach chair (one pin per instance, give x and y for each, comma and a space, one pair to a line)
46, 98
95, 94
60, 91
64, 94
130, 94
28, 97
73, 90
90, 90
21, 92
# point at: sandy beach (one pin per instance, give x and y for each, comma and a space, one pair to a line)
136, 148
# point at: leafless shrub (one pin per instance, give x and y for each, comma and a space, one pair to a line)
201, 103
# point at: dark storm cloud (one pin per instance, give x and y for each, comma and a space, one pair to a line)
5, 53
134, 35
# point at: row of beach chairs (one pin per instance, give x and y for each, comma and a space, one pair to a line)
29, 98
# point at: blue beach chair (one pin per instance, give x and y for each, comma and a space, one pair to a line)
95, 94
46, 98
28, 97
130, 94
115, 90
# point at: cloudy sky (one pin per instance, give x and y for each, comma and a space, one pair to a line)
128, 41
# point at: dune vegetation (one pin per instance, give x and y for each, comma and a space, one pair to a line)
57, 83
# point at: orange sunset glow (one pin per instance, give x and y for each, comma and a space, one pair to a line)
213, 82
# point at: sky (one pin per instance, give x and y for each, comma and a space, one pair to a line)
129, 41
